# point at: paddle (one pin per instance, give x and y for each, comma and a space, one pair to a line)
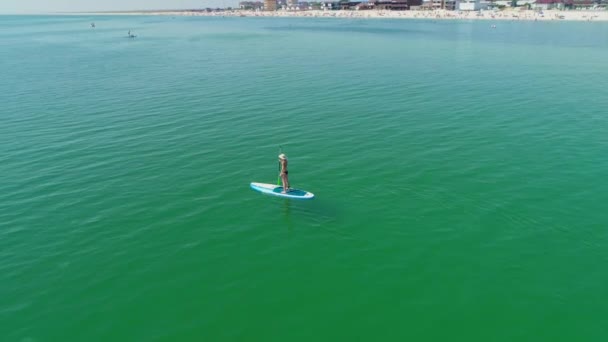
279, 176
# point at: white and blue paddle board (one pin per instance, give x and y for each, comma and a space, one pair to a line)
275, 190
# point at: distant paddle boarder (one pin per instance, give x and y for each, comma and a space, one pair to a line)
284, 191
284, 173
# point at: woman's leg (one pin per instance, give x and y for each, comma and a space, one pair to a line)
284, 180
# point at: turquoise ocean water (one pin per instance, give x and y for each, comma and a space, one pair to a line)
460, 174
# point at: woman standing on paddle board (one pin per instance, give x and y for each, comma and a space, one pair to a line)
283, 174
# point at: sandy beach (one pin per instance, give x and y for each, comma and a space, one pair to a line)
513, 15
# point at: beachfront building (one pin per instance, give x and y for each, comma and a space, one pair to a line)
400, 5
330, 5
565, 4
292, 4
501, 3
450, 5
509, 3
251, 5
296, 5
385, 5
548, 4
351, 5
433, 4
489, 4
469, 5
364, 6
586, 4
270, 5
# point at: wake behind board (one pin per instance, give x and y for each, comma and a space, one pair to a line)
275, 190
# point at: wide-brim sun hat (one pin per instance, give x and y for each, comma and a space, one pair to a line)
282, 156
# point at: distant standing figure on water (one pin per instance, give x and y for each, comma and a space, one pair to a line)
284, 172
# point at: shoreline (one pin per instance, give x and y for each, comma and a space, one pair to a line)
511, 15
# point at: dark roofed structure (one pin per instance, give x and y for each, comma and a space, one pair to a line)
401, 5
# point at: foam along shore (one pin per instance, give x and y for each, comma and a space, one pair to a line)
510, 14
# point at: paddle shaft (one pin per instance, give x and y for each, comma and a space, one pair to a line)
279, 176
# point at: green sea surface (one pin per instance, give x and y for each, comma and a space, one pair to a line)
459, 173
